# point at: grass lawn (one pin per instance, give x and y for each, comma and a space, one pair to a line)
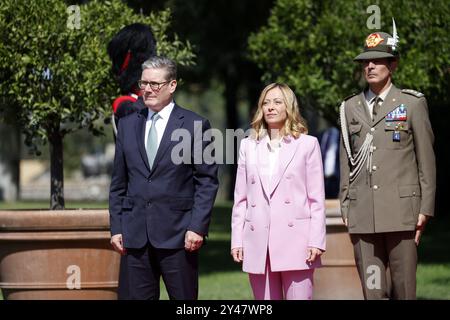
221, 278
433, 271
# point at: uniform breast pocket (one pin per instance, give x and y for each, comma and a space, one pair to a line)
354, 130
397, 134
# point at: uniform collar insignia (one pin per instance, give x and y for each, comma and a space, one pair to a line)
354, 122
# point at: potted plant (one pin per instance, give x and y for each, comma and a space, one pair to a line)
55, 79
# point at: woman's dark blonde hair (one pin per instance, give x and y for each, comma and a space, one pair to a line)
294, 125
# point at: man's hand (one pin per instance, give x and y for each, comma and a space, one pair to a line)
192, 241
116, 241
237, 254
313, 254
420, 226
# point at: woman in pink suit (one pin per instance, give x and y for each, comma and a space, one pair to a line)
278, 220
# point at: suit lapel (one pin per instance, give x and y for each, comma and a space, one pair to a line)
175, 122
262, 162
140, 133
390, 103
287, 152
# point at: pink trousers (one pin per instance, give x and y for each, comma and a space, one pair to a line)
284, 285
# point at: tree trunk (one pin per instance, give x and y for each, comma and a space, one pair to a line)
9, 162
56, 170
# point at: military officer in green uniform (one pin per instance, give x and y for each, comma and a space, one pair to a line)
388, 175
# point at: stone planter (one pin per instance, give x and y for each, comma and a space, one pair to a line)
67, 255
57, 255
338, 278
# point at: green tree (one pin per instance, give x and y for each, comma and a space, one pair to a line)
55, 73
310, 45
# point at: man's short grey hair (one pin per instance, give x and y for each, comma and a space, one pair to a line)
158, 62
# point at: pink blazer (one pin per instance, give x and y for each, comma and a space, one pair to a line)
285, 215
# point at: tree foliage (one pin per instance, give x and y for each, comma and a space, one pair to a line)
55, 76
311, 45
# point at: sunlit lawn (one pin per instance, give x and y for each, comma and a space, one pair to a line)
221, 278
433, 271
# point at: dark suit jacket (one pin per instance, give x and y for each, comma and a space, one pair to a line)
161, 204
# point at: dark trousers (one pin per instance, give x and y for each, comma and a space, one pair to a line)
122, 291
375, 253
144, 267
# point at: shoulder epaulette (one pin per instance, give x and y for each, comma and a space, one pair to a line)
350, 96
415, 93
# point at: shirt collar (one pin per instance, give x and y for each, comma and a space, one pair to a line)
164, 113
370, 95
272, 146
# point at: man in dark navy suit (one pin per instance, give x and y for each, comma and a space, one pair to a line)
160, 209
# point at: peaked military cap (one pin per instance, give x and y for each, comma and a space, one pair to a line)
378, 45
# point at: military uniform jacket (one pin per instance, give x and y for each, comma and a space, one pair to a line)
403, 179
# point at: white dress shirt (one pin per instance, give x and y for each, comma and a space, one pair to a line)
160, 124
274, 147
370, 98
